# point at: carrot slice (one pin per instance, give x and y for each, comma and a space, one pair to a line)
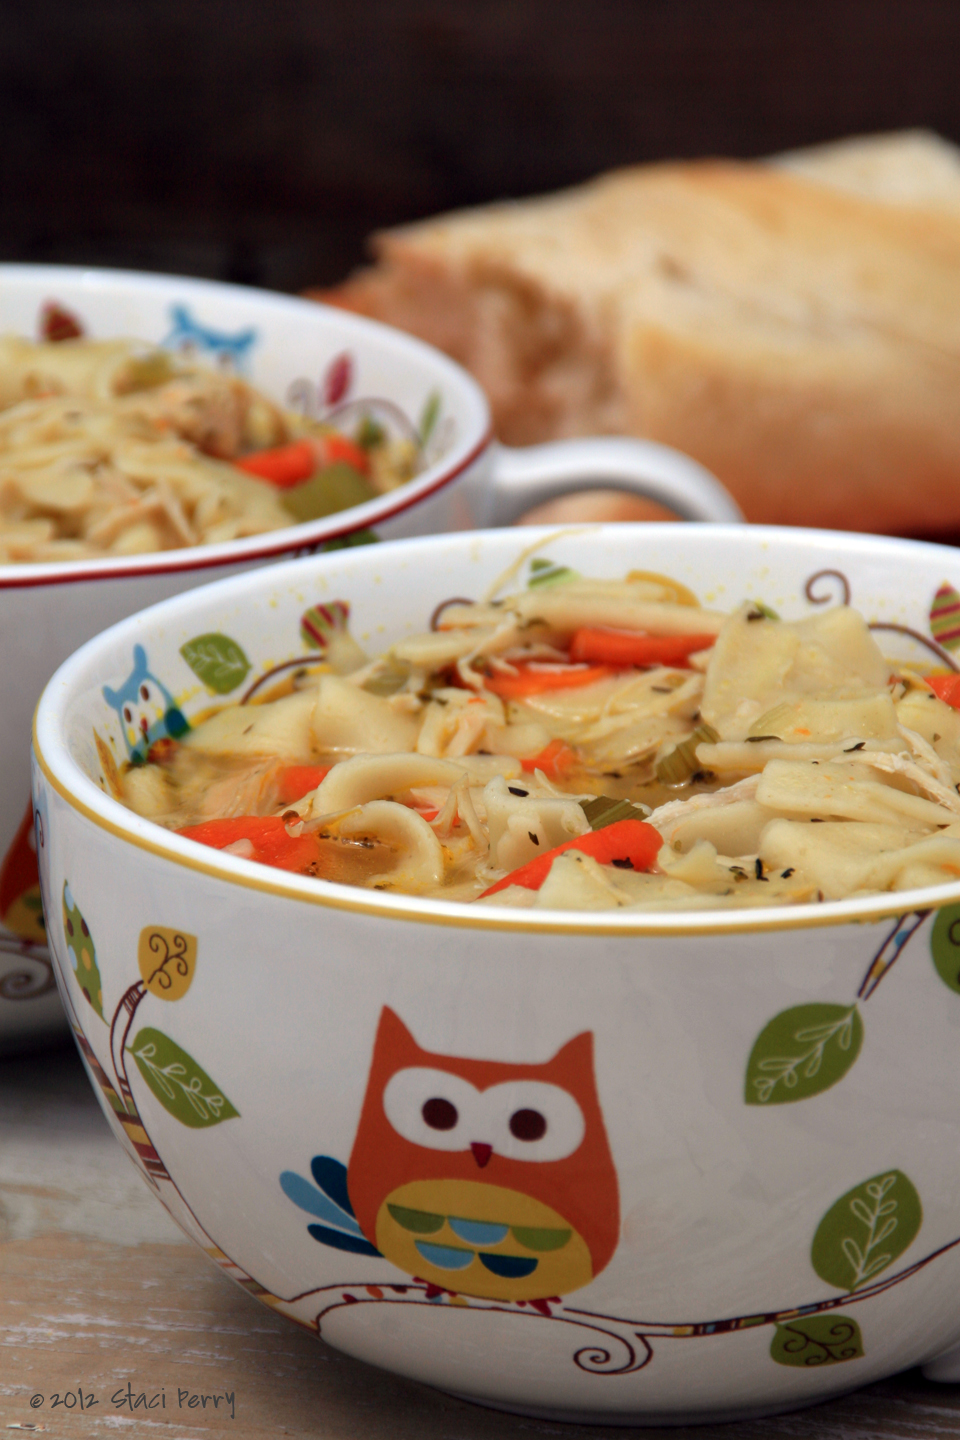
283, 466
295, 781
554, 759
630, 843
533, 679
601, 645
338, 448
289, 465
946, 687
268, 836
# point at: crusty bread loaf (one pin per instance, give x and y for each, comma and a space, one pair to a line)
908, 167
799, 338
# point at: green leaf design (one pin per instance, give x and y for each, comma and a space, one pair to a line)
321, 621
866, 1230
83, 953
813, 1340
801, 1052
429, 416
177, 1081
945, 617
945, 946
216, 660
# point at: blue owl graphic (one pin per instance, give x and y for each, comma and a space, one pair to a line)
146, 708
188, 334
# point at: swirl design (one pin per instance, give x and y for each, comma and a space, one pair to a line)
36, 978
597, 1360
302, 397
454, 600
825, 596
834, 1346
174, 952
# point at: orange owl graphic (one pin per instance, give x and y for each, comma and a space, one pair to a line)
21, 909
483, 1178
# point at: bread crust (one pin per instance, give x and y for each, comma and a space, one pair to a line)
800, 341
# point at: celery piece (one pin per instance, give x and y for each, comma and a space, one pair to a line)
336, 487
681, 762
605, 811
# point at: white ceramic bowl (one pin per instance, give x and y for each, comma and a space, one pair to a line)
300, 353
763, 1209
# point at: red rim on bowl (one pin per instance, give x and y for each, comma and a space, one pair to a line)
306, 536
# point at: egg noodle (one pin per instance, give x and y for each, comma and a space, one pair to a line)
586, 745
109, 447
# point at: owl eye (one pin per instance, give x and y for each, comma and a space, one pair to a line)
127, 714
532, 1120
434, 1109
527, 1125
439, 1114
144, 692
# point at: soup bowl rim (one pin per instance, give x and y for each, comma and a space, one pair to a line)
52, 756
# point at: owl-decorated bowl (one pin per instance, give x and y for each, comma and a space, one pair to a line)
335, 367
618, 1167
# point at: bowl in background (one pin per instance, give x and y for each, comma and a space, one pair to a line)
307, 356
749, 1200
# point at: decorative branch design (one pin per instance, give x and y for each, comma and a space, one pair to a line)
599, 1358
806, 1335
942, 655
823, 597
120, 1027
890, 952
302, 662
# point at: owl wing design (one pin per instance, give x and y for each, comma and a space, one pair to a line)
329, 1201
482, 1239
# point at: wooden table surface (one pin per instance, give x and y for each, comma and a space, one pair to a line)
99, 1292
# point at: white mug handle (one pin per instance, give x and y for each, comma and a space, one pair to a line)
522, 478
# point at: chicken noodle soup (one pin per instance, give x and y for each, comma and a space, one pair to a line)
585, 745
109, 447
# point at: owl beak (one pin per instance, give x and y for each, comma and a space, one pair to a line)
481, 1152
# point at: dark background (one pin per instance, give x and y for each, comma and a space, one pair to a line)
262, 140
